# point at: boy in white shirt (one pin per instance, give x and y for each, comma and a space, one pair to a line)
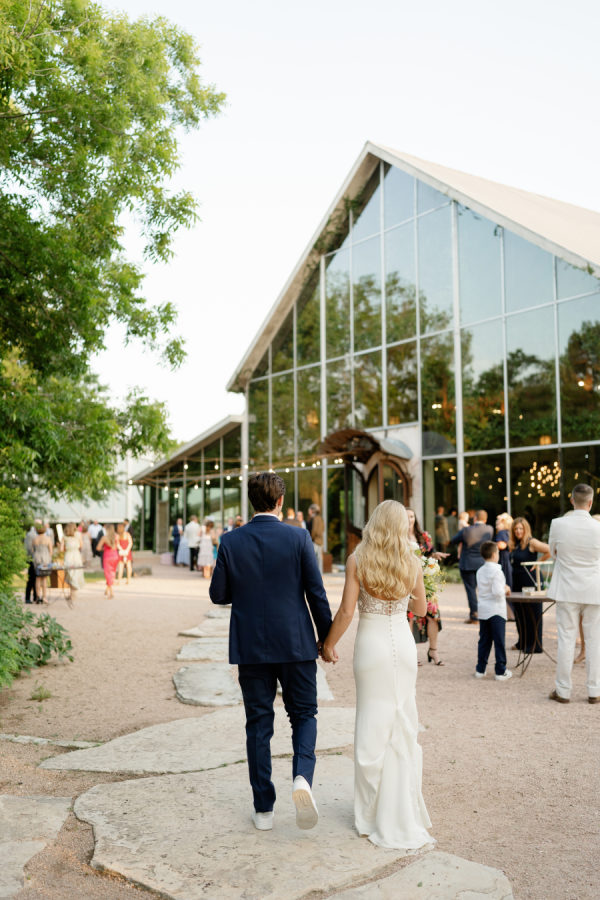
491, 606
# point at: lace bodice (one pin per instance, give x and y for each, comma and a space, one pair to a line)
378, 607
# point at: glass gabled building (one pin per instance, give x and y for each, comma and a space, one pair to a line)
439, 343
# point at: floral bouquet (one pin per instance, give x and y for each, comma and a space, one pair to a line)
434, 582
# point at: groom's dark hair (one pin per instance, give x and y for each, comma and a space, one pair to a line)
264, 490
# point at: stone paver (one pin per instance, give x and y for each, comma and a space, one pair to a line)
209, 628
191, 836
214, 649
437, 876
219, 612
42, 742
27, 824
207, 685
192, 745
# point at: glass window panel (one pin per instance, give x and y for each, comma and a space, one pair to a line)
258, 424
282, 421
290, 491
310, 490
483, 387
309, 409
336, 515
531, 378
212, 502
435, 270
571, 281
212, 458
579, 348
580, 465
366, 215
232, 498
339, 397
367, 390
149, 517
366, 286
393, 485
232, 450
194, 500
429, 198
528, 273
439, 489
337, 287
263, 366
535, 482
402, 384
400, 288
282, 354
308, 324
479, 262
485, 484
399, 196
437, 394
175, 502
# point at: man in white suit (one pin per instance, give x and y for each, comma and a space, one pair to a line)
575, 546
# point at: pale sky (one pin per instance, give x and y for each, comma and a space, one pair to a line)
508, 91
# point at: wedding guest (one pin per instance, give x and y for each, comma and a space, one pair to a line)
300, 518
238, 521
41, 549
30, 586
470, 540
503, 525
208, 540
192, 535
491, 606
71, 547
452, 520
316, 528
230, 525
86, 545
574, 543
176, 533
291, 519
127, 526
442, 536
94, 531
109, 547
427, 627
384, 577
125, 544
528, 616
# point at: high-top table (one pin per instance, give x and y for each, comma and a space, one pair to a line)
524, 658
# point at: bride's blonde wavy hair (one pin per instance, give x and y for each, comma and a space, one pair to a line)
385, 562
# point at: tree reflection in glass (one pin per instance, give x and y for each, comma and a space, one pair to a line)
579, 348
366, 286
282, 353
528, 273
258, 419
366, 212
531, 378
308, 323
402, 383
339, 396
337, 287
308, 389
282, 419
485, 484
367, 390
400, 288
435, 270
483, 387
571, 281
437, 394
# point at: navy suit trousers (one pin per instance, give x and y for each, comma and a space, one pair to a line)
258, 682
491, 631
469, 578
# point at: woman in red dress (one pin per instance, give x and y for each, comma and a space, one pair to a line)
109, 546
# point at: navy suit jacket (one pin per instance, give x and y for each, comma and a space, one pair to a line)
265, 569
471, 538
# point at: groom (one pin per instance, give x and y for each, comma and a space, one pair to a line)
264, 570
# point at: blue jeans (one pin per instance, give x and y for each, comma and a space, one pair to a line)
259, 687
491, 631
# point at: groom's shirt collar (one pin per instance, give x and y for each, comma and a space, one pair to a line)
275, 516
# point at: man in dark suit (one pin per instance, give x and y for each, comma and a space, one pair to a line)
267, 571
470, 539
176, 533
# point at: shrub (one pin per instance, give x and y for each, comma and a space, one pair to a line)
27, 641
12, 551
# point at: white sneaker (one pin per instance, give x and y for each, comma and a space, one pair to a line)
505, 677
307, 814
479, 674
262, 821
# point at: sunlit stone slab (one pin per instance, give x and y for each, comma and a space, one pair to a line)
27, 824
214, 649
208, 684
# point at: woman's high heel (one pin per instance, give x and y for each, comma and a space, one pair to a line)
431, 659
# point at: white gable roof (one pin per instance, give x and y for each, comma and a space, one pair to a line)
570, 232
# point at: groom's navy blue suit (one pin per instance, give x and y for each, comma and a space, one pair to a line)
268, 571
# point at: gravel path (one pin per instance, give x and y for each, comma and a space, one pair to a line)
506, 777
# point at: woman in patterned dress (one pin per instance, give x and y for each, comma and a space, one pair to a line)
427, 627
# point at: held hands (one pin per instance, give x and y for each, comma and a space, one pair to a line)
507, 590
328, 653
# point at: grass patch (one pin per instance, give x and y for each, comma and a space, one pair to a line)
40, 693
94, 576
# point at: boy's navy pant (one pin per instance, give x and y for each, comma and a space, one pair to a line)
491, 631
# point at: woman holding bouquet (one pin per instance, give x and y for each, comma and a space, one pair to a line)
427, 627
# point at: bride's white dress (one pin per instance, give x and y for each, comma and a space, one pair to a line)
388, 804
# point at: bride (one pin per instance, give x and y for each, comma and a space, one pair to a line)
385, 577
